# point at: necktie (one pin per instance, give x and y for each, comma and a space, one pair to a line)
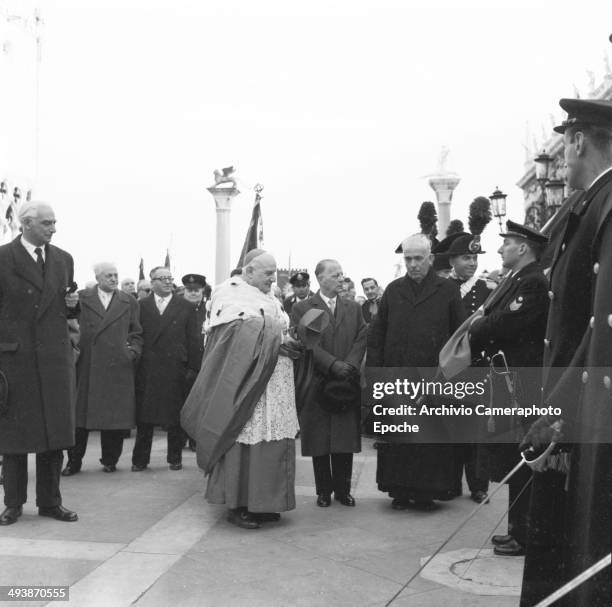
161, 305
40, 262
332, 307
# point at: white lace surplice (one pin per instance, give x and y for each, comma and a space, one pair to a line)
275, 415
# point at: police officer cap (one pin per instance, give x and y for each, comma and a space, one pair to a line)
299, 279
195, 281
459, 243
585, 112
518, 230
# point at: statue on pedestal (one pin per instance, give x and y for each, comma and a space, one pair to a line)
224, 176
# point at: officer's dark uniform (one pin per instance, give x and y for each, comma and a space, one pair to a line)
299, 279
197, 281
514, 323
570, 517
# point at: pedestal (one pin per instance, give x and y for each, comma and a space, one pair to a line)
444, 185
223, 203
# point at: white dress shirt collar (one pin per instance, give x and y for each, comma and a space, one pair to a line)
29, 247
328, 300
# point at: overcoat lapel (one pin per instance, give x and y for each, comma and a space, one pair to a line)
430, 286
53, 281
317, 302
25, 266
166, 318
91, 300
117, 307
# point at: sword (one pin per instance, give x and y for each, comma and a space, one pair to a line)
582, 577
456, 531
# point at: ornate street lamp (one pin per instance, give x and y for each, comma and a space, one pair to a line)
554, 195
543, 163
498, 202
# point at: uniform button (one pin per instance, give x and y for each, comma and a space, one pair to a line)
563, 247
596, 267
547, 343
592, 322
551, 295
610, 320
585, 377
607, 382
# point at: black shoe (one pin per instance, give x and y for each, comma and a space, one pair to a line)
242, 518
500, 540
109, 468
424, 505
265, 517
345, 499
399, 504
10, 515
137, 468
59, 513
70, 470
480, 496
512, 548
175, 466
324, 500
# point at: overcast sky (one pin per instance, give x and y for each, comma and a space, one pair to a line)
339, 108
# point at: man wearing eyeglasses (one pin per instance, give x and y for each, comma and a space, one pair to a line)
511, 335
169, 362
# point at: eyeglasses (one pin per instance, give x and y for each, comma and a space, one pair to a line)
164, 278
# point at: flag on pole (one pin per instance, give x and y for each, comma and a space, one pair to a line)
254, 235
141, 269
167, 262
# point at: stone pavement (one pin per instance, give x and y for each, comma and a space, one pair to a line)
149, 539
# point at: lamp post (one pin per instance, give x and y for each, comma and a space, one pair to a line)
554, 190
498, 202
543, 163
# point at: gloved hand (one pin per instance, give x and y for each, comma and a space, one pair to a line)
341, 369
542, 432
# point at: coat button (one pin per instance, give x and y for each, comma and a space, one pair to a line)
596, 267
547, 343
585, 377
563, 247
551, 295
607, 382
592, 322
610, 320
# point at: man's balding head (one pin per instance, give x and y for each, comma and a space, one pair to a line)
259, 270
417, 256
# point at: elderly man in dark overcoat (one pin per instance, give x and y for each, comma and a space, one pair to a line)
416, 316
110, 345
331, 438
36, 280
572, 531
170, 359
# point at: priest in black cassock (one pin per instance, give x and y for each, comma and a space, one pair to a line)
417, 314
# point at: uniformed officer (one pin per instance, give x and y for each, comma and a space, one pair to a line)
577, 372
511, 333
462, 250
300, 283
195, 293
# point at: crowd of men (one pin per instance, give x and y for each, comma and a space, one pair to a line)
240, 372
